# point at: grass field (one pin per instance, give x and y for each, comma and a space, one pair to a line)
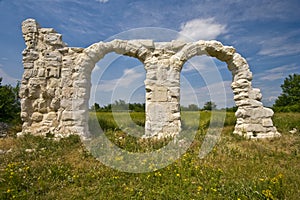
236, 168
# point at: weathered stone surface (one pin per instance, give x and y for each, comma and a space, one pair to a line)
56, 83
37, 117
255, 94
267, 122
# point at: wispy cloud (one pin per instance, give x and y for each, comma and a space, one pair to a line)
277, 73
201, 29
198, 63
102, 1
129, 77
280, 46
7, 79
129, 87
270, 80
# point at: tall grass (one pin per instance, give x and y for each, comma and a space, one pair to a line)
236, 168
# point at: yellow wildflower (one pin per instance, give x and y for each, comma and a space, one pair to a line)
199, 188
268, 194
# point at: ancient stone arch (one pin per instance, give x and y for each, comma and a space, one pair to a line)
56, 83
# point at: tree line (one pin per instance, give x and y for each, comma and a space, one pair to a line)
119, 105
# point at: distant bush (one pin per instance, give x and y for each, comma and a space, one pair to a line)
289, 100
292, 108
9, 104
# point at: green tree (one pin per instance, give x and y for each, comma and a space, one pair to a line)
95, 107
190, 107
120, 105
137, 107
193, 107
289, 100
209, 106
9, 103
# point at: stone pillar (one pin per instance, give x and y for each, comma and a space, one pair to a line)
253, 119
29, 91
162, 98
44, 93
40, 92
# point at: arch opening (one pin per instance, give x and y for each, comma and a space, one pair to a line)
118, 91
205, 86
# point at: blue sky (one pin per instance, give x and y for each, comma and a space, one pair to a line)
265, 32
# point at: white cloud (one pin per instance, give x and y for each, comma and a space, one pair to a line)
201, 64
272, 77
102, 1
197, 63
201, 29
280, 46
129, 77
270, 80
277, 73
129, 87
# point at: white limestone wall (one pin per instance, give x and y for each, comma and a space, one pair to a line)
56, 84
162, 98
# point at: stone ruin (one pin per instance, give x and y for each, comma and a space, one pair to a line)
56, 83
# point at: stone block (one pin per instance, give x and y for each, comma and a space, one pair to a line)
52, 56
248, 102
255, 94
191, 49
176, 116
160, 94
37, 117
30, 55
267, 122
67, 62
149, 44
241, 96
94, 52
177, 45
55, 104
67, 116
174, 91
29, 26
28, 73
53, 39
52, 72
242, 74
51, 116
66, 104
236, 62
241, 83
81, 83
28, 65
24, 116
41, 73
255, 128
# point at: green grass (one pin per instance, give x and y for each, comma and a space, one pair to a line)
236, 168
